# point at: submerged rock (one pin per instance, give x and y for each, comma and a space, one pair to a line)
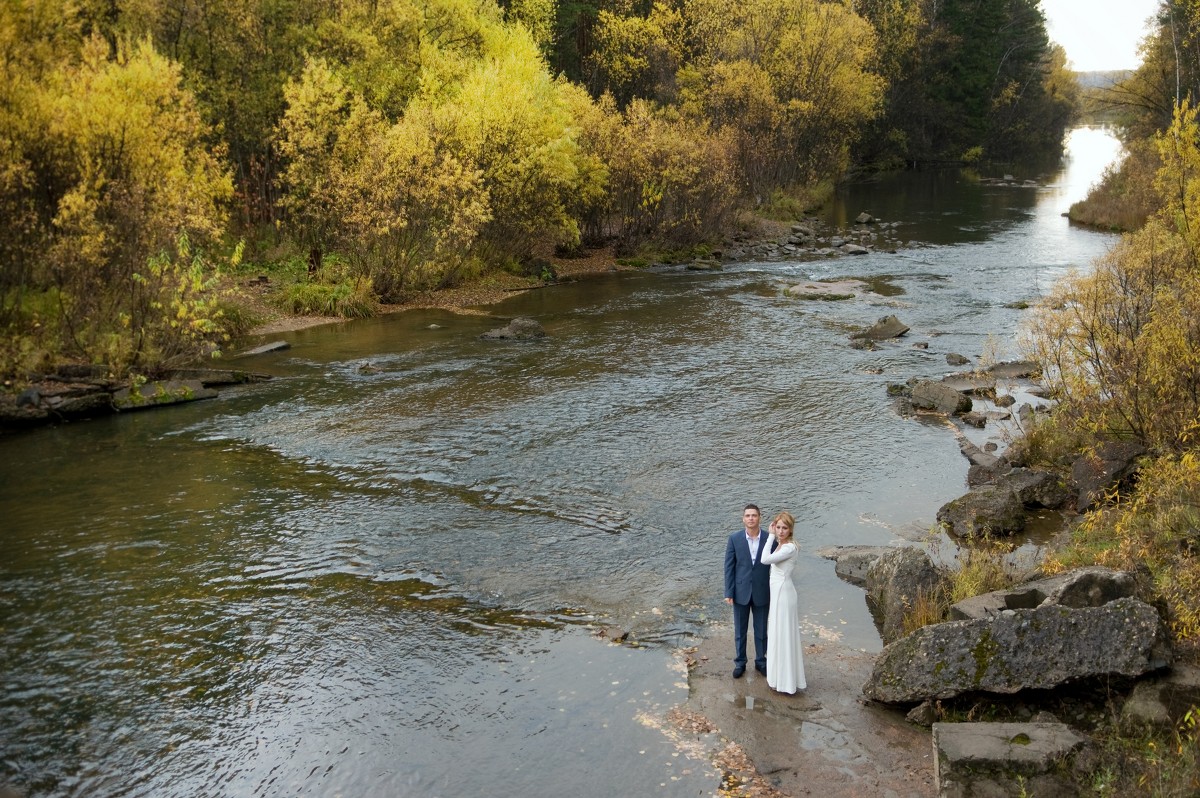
887, 327
273, 346
519, 329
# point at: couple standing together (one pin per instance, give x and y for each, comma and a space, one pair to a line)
758, 582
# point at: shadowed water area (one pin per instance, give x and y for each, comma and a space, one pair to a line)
385, 581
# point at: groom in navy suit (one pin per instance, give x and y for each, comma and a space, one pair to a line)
748, 589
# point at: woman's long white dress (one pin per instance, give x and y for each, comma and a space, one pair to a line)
785, 655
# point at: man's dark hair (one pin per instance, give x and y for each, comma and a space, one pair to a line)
752, 507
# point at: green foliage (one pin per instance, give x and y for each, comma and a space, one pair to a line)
333, 290
112, 193
345, 300
974, 75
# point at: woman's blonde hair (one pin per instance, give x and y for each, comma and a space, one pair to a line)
787, 520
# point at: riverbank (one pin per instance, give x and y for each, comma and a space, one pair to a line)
492, 288
466, 299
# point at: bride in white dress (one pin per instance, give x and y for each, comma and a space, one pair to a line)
785, 657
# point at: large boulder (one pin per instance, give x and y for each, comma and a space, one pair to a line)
1036, 487
1033, 649
1005, 759
1093, 586
887, 327
895, 582
984, 510
932, 395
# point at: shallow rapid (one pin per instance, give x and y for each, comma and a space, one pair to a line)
386, 580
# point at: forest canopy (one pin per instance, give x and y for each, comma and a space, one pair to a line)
396, 146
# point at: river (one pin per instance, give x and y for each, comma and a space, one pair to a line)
388, 580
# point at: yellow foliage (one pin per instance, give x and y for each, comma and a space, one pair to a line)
1155, 529
1121, 346
666, 177
106, 158
792, 80
636, 55
399, 201
510, 121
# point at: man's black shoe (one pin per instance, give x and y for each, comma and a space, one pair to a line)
738, 671
761, 669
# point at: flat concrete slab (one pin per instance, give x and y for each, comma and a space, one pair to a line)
992, 758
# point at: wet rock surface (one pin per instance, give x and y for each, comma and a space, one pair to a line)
521, 328
74, 393
823, 741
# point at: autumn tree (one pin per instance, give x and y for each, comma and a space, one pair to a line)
787, 80
510, 120
663, 177
114, 194
983, 81
1122, 343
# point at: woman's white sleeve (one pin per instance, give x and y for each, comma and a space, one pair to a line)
780, 554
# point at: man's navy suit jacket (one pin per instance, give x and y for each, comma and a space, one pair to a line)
746, 583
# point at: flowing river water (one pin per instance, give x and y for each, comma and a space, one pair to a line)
387, 580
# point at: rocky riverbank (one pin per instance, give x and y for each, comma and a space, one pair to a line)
74, 393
